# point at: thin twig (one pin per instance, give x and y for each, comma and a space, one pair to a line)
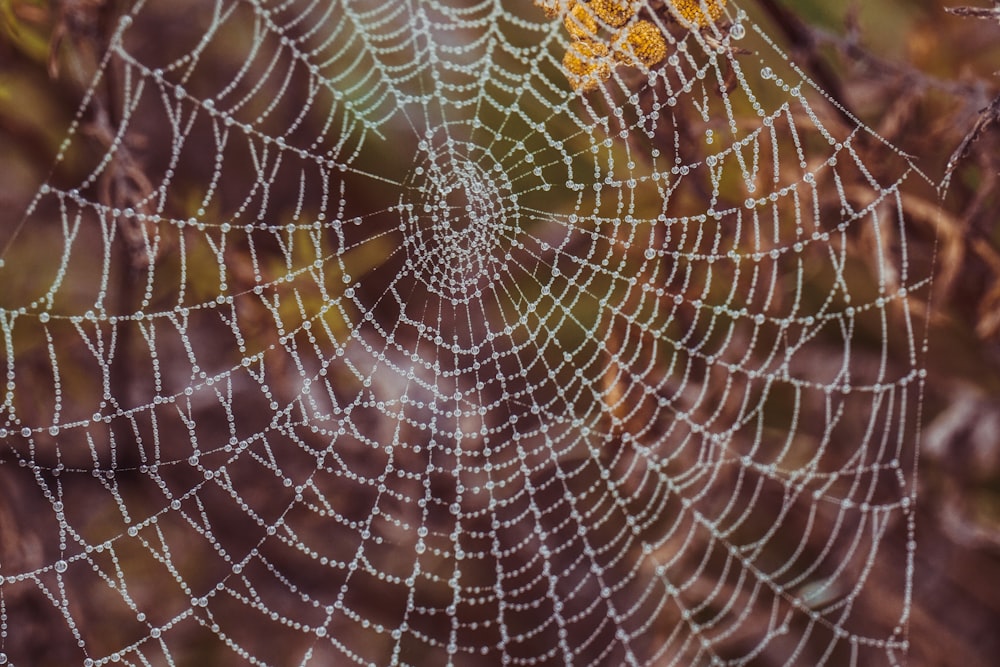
977, 12
988, 117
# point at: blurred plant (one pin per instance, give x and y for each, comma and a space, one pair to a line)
932, 105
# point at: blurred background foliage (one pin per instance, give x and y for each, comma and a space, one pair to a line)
920, 77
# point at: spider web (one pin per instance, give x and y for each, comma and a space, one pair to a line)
356, 335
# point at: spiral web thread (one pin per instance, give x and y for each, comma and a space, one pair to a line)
358, 336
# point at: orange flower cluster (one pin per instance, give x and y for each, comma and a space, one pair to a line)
692, 13
589, 59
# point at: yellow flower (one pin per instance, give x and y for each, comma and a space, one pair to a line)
692, 13
587, 64
613, 12
580, 22
643, 42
